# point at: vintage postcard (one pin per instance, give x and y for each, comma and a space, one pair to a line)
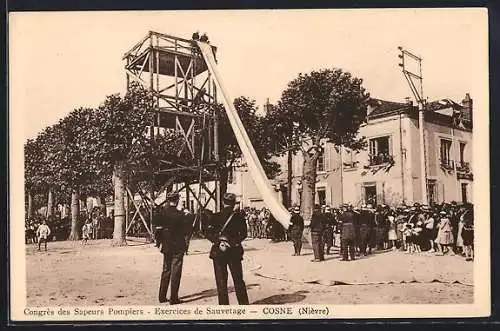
257, 164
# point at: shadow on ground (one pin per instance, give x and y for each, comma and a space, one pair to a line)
209, 293
281, 299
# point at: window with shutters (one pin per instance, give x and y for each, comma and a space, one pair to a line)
321, 162
321, 196
370, 195
445, 153
380, 151
349, 159
462, 165
432, 194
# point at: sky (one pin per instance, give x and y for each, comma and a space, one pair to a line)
59, 61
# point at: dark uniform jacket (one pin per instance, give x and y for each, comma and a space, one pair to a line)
328, 228
364, 221
174, 228
235, 232
372, 224
329, 221
317, 222
296, 225
348, 220
381, 219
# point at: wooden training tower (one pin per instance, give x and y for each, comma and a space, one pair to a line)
185, 96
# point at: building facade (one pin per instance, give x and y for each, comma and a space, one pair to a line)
388, 171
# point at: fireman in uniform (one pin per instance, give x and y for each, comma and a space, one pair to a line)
329, 222
170, 227
226, 231
317, 225
296, 229
348, 233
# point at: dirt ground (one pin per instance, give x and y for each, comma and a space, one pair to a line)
70, 274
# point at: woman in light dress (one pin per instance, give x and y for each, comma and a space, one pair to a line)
460, 242
445, 236
392, 234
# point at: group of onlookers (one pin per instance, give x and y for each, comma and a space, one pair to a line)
262, 225
92, 229
94, 225
37, 233
57, 228
446, 228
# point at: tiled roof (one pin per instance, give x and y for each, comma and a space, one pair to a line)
440, 111
381, 107
443, 104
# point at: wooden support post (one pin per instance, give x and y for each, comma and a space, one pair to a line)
217, 160
157, 53
176, 82
151, 59
188, 189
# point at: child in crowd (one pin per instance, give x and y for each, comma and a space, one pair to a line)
429, 230
86, 232
401, 227
408, 237
468, 234
417, 237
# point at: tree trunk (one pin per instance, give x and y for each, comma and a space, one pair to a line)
75, 213
30, 205
308, 186
119, 210
289, 179
50, 203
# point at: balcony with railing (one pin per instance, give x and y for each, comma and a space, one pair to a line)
463, 167
447, 164
350, 165
380, 159
464, 170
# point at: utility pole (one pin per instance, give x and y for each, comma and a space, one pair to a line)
418, 92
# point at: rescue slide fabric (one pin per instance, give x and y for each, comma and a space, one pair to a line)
277, 209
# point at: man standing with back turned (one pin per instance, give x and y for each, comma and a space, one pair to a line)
296, 229
226, 231
317, 224
348, 219
171, 225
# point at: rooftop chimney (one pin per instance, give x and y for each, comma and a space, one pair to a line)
467, 104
